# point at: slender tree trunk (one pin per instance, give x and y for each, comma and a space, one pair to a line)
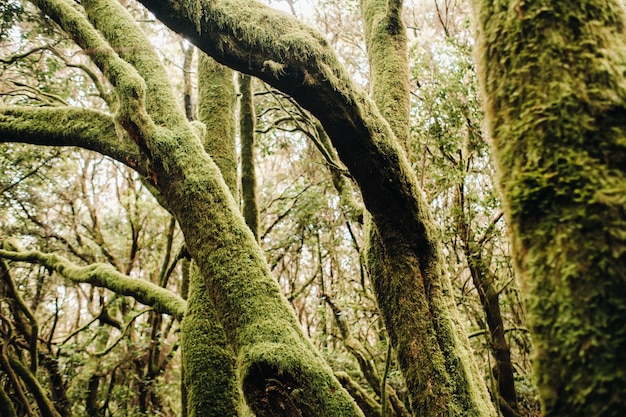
484, 281
489, 299
247, 122
6, 404
216, 110
552, 74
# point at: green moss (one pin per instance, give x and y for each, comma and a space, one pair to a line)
385, 35
208, 361
112, 19
247, 121
105, 275
559, 139
216, 109
421, 319
46, 408
411, 287
6, 404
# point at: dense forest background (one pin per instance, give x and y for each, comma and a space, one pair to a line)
74, 344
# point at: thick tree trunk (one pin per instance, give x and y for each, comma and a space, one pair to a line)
208, 361
555, 92
279, 369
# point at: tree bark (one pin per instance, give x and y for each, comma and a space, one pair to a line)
415, 295
208, 361
552, 74
247, 122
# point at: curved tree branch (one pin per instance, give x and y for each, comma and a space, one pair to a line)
69, 126
258, 40
106, 276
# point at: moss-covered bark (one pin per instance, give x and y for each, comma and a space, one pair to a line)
6, 404
552, 73
387, 53
216, 109
67, 126
414, 295
208, 361
247, 122
105, 275
277, 365
46, 408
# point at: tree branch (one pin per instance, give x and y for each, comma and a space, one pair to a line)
69, 126
104, 275
253, 39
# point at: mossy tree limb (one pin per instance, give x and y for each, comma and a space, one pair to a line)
106, 276
247, 39
6, 404
70, 126
385, 36
552, 75
130, 110
46, 407
413, 291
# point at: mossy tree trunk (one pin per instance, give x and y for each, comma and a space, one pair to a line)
247, 123
414, 295
553, 77
208, 361
278, 367
295, 59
